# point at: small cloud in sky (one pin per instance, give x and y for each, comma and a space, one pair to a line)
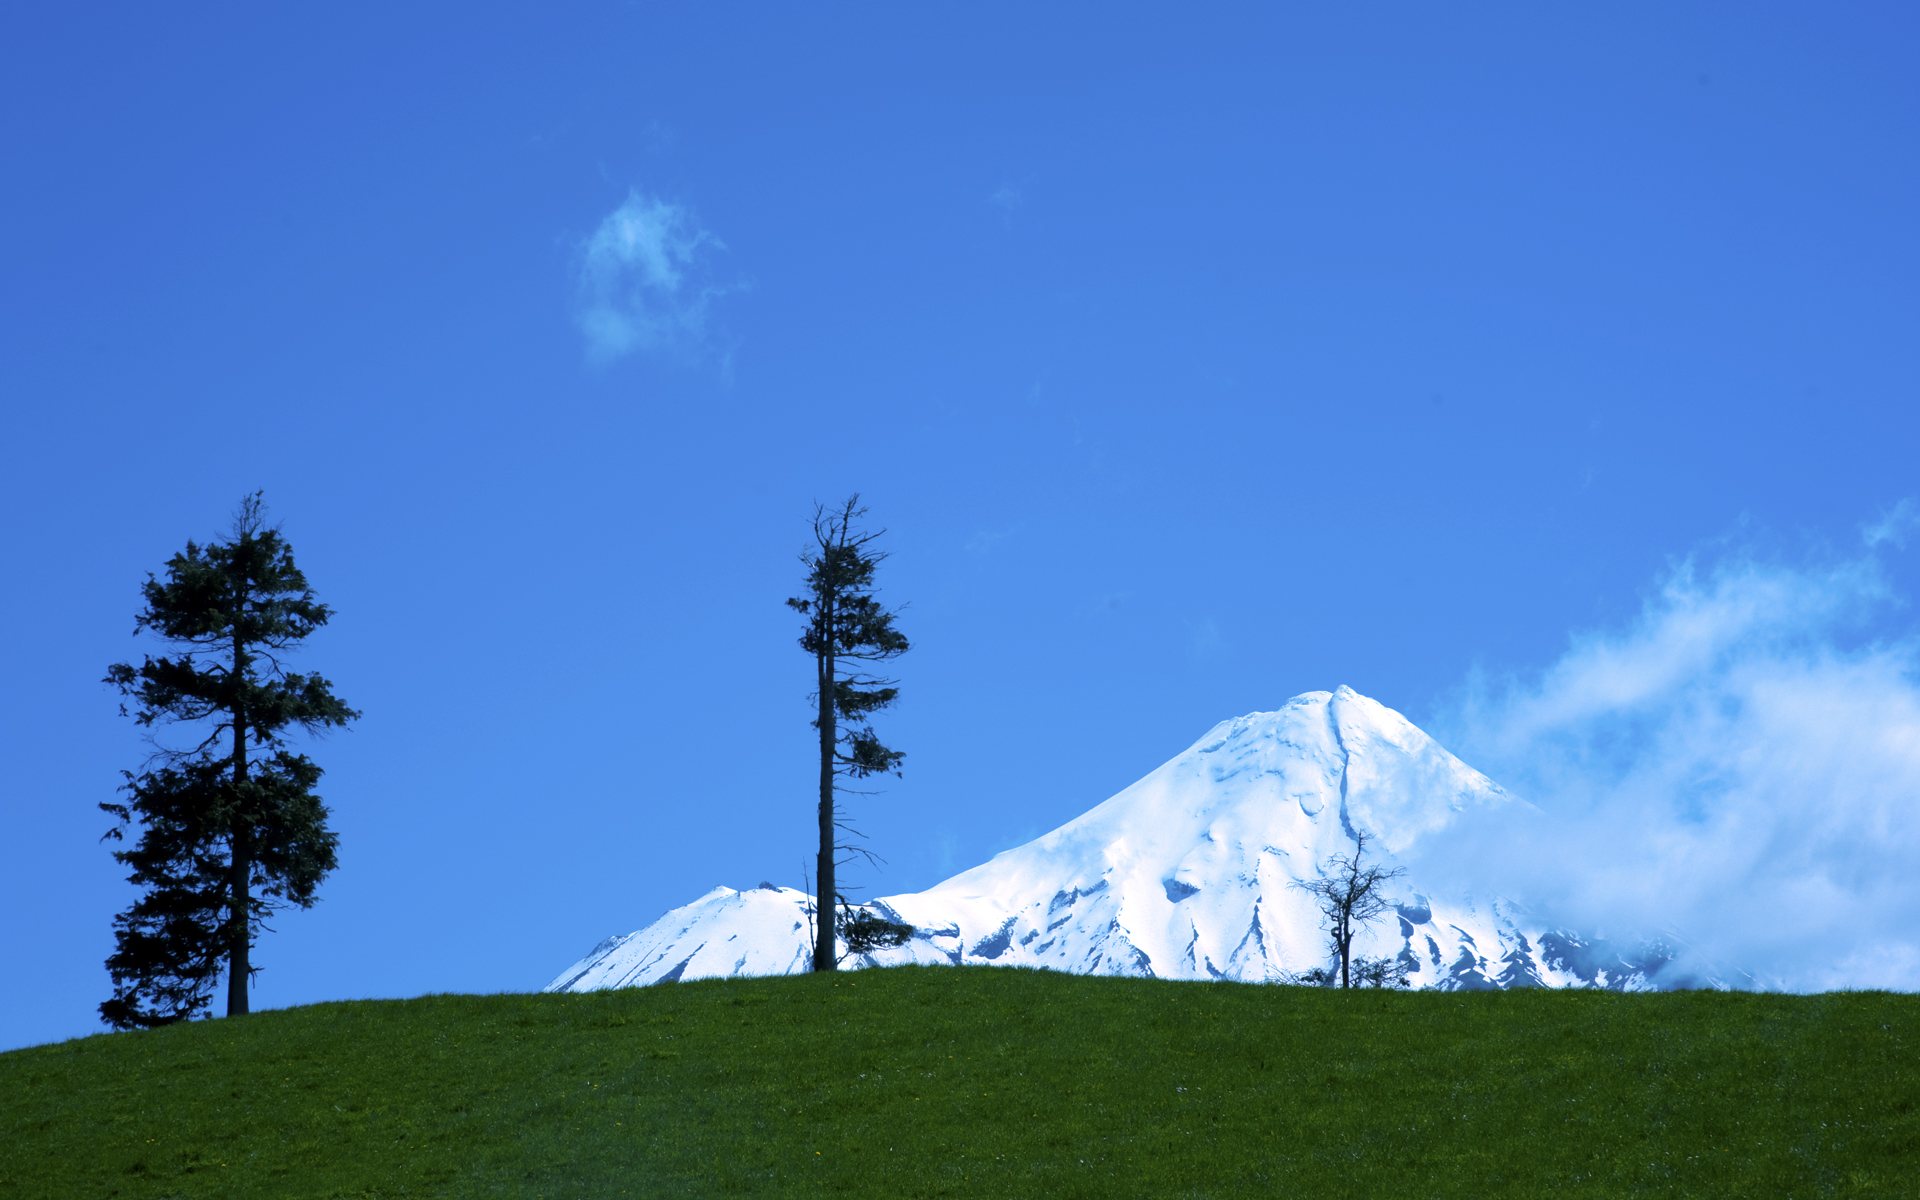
1736, 768
644, 285
1206, 637
1007, 199
984, 540
1894, 525
1105, 603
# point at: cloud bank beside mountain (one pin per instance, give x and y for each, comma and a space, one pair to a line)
1740, 765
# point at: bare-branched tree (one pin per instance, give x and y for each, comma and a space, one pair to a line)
1351, 896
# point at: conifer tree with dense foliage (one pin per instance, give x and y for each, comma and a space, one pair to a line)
847, 628
232, 829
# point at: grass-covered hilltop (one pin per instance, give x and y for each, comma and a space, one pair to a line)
919, 1081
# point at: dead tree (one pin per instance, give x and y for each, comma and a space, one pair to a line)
1351, 896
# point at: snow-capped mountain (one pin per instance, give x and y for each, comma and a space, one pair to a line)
1188, 874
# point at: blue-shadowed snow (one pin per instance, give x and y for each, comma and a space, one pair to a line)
1188, 874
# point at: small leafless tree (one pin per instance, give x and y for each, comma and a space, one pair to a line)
1351, 896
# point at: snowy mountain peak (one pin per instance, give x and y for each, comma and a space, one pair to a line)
1187, 874
1188, 871
1302, 778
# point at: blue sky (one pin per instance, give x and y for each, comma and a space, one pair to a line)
1193, 357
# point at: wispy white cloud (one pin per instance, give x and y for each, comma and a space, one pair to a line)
1740, 766
1893, 525
645, 284
1009, 198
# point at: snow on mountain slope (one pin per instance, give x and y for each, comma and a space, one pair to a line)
761, 932
1187, 874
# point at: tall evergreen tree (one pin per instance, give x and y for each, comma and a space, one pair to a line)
847, 627
232, 827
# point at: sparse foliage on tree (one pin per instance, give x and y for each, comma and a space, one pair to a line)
860, 929
231, 826
1367, 972
865, 931
1380, 972
1351, 895
847, 629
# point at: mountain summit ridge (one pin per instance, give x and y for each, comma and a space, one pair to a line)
1188, 873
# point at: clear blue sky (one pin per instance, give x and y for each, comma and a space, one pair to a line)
1194, 356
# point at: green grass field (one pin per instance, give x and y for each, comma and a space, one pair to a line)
982, 1082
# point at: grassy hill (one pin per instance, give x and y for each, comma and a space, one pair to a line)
981, 1082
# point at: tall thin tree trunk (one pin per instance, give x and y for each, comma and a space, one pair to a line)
239, 968
1347, 901
240, 842
823, 903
